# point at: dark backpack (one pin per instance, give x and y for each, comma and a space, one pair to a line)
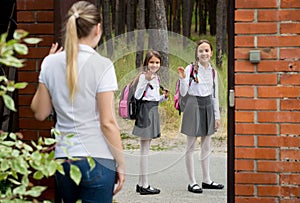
179, 100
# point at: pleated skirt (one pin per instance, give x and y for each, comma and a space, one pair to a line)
147, 125
198, 118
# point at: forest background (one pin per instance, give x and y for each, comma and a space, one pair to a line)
132, 27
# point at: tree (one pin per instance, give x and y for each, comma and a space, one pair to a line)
141, 32
130, 17
221, 32
107, 27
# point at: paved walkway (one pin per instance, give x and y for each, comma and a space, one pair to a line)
168, 174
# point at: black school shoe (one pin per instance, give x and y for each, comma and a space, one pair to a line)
213, 185
138, 188
149, 191
193, 189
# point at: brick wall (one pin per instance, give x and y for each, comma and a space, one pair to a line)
37, 17
267, 117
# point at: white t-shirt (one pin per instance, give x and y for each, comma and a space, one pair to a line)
95, 74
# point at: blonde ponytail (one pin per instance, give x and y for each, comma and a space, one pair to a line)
71, 47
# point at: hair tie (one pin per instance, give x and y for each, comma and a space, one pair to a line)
76, 15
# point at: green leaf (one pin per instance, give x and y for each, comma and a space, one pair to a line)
9, 102
13, 136
32, 40
49, 141
11, 42
3, 38
75, 174
60, 168
51, 168
19, 190
91, 162
14, 181
38, 175
4, 165
12, 61
70, 135
19, 34
36, 191
21, 85
21, 48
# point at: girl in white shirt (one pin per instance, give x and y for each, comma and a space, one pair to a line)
201, 116
147, 125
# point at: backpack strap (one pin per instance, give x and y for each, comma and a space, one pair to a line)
191, 75
214, 86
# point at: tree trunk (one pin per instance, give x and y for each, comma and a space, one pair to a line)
161, 38
130, 16
141, 32
212, 16
187, 13
120, 17
196, 16
152, 24
221, 32
202, 17
176, 16
106, 27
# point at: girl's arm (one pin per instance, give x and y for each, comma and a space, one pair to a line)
216, 101
141, 86
184, 80
110, 129
41, 103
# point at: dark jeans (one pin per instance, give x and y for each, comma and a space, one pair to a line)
96, 186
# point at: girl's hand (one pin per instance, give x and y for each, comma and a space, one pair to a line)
217, 124
166, 93
54, 48
149, 75
181, 72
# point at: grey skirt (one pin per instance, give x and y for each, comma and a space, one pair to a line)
147, 122
198, 117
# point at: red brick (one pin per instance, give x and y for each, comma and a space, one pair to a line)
255, 28
255, 79
277, 141
244, 141
278, 92
24, 100
255, 153
244, 15
289, 28
266, 53
268, 15
256, 129
278, 41
30, 89
244, 116
29, 64
255, 200
29, 134
290, 4
289, 154
47, 40
256, 178
26, 16
289, 200
289, 53
289, 15
37, 52
244, 41
290, 179
290, 129
244, 91
32, 124
290, 191
255, 4
289, 79
45, 16
35, 5
292, 117
289, 104
271, 191
244, 165
244, 190
26, 76
255, 104
278, 166
34, 29
278, 66
25, 112
243, 66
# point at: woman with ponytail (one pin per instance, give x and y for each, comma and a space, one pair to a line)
79, 84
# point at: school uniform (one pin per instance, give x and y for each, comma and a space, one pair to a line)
147, 124
202, 107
